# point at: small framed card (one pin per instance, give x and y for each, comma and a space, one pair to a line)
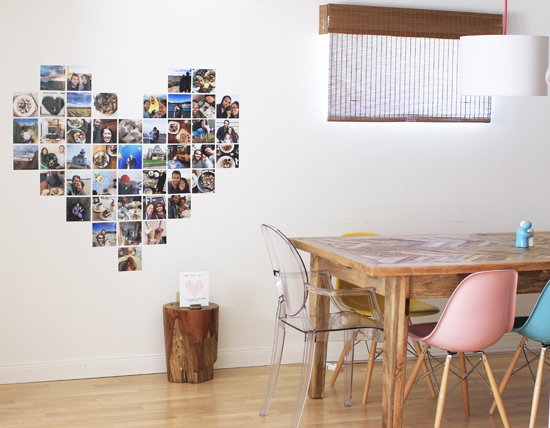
193, 289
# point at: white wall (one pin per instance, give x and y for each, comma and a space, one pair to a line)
65, 312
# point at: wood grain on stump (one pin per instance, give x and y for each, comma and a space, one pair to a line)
191, 342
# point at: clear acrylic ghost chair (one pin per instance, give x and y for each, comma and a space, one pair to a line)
479, 312
535, 327
293, 288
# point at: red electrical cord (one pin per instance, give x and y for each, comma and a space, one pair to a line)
505, 15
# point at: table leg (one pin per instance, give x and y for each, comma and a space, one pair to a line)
397, 290
318, 305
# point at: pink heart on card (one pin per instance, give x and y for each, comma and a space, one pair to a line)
194, 287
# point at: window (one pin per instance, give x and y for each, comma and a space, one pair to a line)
396, 65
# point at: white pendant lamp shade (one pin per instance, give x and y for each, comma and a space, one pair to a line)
503, 65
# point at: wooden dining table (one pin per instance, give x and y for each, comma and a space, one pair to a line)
414, 267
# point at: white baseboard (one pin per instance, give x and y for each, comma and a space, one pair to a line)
52, 371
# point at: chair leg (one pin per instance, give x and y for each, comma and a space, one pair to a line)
442, 392
305, 377
276, 356
464, 385
425, 370
509, 371
538, 384
496, 393
341, 359
348, 366
414, 372
368, 377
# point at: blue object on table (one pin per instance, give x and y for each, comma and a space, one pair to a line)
522, 236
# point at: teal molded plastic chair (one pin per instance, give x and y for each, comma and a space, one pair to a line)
535, 327
417, 308
293, 289
479, 312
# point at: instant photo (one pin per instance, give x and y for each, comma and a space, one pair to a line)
78, 208
25, 131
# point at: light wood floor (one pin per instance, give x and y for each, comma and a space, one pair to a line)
233, 399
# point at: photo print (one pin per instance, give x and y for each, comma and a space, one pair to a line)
129, 233
203, 130
25, 156
104, 208
129, 208
203, 156
179, 206
204, 106
105, 157
129, 156
179, 132
129, 182
227, 131
104, 183
155, 106
105, 131
179, 181
154, 181
79, 78
80, 130
179, 106
129, 259
179, 80
52, 77
155, 207
52, 183
53, 104
154, 157
25, 131
227, 156
228, 108
204, 81
154, 131
104, 234
179, 156
204, 181
79, 104
78, 208
52, 156
154, 232
105, 105
79, 157
52, 131
79, 183
130, 131
25, 104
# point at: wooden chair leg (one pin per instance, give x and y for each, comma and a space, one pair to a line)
425, 369
442, 392
414, 372
341, 360
370, 366
509, 372
538, 384
464, 385
496, 393
339, 365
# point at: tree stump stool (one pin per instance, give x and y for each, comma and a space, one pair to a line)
191, 342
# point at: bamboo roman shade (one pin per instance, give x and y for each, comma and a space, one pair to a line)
392, 64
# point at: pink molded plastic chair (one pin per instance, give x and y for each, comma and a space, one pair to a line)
479, 312
293, 289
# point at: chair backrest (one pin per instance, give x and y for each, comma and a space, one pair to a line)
288, 269
356, 303
479, 312
537, 326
